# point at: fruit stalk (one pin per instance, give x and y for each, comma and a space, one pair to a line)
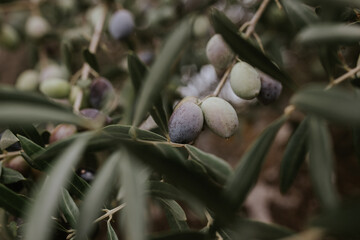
252, 24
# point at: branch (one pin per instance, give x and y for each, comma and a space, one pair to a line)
256, 18
343, 77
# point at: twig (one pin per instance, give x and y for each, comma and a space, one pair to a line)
256, 18
223, 80
110, 212
259, 41
10, 154
343, 77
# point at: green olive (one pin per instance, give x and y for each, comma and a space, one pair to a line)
28, 81
55, 88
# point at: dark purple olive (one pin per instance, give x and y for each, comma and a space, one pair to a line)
270, 90
86, 174
92, 113
100, 92
121, 24
146, 56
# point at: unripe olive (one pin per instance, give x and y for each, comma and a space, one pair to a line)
121, 24
55, 88
245, 81
219, 54
270, 90
9, 38
62, 131
95, 14
201, 26
220, 116
53, 70
185, 123
101, 90
28, 81
36, 27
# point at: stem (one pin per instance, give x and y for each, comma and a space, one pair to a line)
110, 213
10, 154
223, 80
256, 18
343, 77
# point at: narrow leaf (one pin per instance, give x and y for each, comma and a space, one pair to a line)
28, 131
159, 73
215, 165
39, 221
97, 195
69, 208
8, 176
321, 163
294, 156
29, 147
336, 104
90, 59
246, 174
164, 190
111, 234
326, 33
12, 202
66, 52
299, 14
7, 139
246, 51
175, 214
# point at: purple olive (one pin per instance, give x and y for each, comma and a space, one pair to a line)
62, 131
186, 122
121, 24
91, 113
86, 174
100, 92
270, 90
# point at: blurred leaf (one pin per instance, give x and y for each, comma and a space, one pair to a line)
356, 140
248, 170
329, 58
97, 195
249, 229
217, 166
7, 139
336, 104
28, 131
188, 235
90, 59
69, 208
175, 214
164, 190
12, 202
47, 198
160, 71
294, 156
342, 221
111, 234
66, 50
138, 72
299, 14
327, 33
321, 163
335, 3
246, 51
8, 176
133, 178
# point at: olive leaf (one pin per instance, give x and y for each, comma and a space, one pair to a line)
175, 214
111, 234
69, 208
90, 59
7, 139
8, 176
299, 14
12, 202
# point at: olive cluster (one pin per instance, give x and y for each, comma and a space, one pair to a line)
187, 119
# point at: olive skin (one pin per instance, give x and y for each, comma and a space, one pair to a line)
37, 27
245, 81
185, 123
270, 90
55, 88
220, 116
62, 131
219, 54
100, 91
86, 174
92, 114
121, 24
28, 81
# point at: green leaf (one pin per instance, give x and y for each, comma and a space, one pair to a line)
66, 54
249, 229
188, 235
90, 59
299, 14
111, 234
175, 214
246, 51
216, 166
342, 221
327, 33
321, 163
97, 195
12, 202
336, 104
160, 71
164, 190
69, 208
294, 156
329, 59
138, 72
9, 175
29, 147
246, 174
133, 178
47, 198
7, 139
28, 131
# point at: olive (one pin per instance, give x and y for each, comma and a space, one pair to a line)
92, 114
19, 164
28, 81
220, 116
270, 90
9, 37
245, 81
55, 88
87, 174
36, 27
186, 122
101, 91
53, 70
62, 131
121, 24
219, 54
